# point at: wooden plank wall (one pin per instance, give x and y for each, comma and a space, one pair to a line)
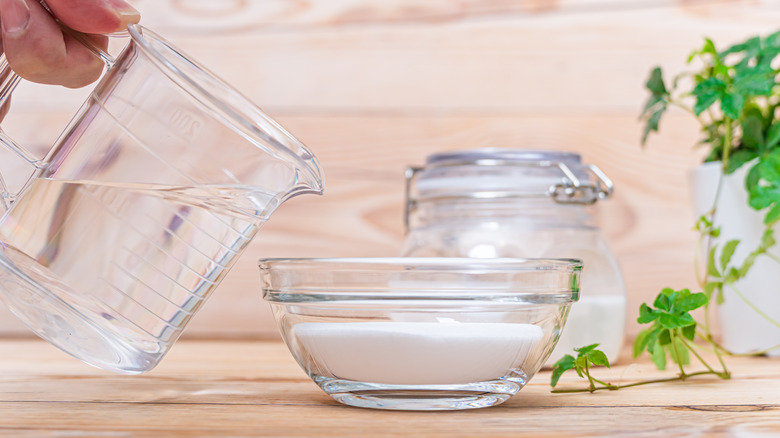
372, 86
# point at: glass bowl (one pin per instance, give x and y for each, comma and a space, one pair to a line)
420, 333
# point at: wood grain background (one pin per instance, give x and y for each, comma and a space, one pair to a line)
372, 86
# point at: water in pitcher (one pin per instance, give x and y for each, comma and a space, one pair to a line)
130, 263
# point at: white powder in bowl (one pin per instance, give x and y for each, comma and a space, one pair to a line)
418, 353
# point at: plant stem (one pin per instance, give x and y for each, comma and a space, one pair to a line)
590, 379
754, 353
754, 307
703, 362
629, 385
720, 357
726, 144
602, 382
676, 354
712, 213
772, 256
700, 280
707, 338
717, 349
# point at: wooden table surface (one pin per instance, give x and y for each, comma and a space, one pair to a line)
253, 388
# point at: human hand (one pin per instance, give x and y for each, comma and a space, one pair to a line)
38, 50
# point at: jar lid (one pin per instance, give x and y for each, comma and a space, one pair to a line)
474, 156
496, 173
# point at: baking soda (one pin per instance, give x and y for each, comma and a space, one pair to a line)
417, 353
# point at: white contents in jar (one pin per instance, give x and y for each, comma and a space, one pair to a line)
418, 353
596, 319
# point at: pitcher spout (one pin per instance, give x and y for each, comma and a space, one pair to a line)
308, 178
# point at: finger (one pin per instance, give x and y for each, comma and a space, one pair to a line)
94, 16
38, 51
4, 108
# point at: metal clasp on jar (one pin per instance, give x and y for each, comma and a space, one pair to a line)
572, 191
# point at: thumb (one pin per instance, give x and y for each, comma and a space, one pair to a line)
94, 16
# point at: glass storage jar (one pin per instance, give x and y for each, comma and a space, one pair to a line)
489, 203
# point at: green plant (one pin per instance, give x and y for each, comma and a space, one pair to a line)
734, 95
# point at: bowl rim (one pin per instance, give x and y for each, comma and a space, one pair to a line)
430, 262
282, 283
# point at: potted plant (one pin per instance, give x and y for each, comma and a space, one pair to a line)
734, 95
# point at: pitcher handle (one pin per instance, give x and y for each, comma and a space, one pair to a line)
8, 82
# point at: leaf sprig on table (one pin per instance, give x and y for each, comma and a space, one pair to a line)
671, 334
586, 356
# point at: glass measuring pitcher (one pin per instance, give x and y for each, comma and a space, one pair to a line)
142, 206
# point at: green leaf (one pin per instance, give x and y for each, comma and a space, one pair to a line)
709, 47
652, 122
671, 321
756, 81
564, 364
675, 298
703, 223
753, 133
658, 356
664, 338
692, 302
640, 342
586, 349
655, 334
653, 103
580, 364
727, 252
662, 301
680, 353
689, 332
707, 92
731, 276
646, 314
763, 196
772, 215
656, 82
746, 265
753, 177
731, 104
773, 135
597, 357
770, 168
656, 104
711, 268
750, 45
710, 287
772, 40
738, 159
719, 296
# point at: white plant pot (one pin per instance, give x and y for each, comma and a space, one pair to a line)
743, 330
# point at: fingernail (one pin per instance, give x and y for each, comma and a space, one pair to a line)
14, 17
126, 12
